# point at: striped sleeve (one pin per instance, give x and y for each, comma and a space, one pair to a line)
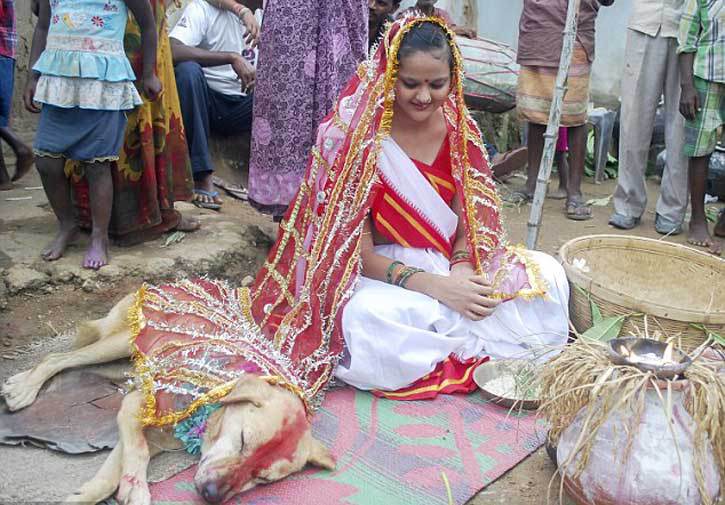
690, 27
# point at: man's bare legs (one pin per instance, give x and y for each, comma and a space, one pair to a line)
576, 208
535, 144
57, 189
561, 158
699, 233
100, 187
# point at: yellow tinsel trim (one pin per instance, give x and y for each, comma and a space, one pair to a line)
149, 417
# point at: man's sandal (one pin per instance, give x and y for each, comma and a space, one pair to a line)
207, 203
576, 210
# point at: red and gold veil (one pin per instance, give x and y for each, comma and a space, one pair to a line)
195, 338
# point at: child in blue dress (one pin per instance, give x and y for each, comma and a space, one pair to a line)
81, 76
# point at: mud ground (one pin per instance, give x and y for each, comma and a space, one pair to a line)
231, 244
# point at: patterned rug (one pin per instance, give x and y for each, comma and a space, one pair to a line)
394, 453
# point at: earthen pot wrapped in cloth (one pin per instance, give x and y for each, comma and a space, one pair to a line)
491, 74
655, 467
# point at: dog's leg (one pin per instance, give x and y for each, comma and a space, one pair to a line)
133, 488
107, 339
127, 460
104, 483
20, 390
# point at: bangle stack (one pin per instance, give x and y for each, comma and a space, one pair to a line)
460, 257
391, 269
403, 275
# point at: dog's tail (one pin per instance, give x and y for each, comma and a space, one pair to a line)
115, 322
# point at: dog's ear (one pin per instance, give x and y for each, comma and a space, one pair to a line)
320, 456
248, 389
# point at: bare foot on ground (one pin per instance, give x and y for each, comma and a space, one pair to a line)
59, 244
97, 254
700, 236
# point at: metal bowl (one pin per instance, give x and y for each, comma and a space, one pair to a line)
642, 346
491, 370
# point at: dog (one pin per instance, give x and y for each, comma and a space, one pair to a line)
260, 434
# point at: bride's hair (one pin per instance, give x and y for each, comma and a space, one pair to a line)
429, 38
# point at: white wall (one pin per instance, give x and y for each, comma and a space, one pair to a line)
498, 20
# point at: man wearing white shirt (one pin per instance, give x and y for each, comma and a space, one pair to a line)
651, 70
215, 72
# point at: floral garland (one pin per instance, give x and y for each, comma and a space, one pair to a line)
191, 431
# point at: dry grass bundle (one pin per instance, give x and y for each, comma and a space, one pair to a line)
583, 378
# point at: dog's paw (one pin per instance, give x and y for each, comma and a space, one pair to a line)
20, 390
133, 491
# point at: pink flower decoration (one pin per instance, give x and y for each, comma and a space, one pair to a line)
98, 21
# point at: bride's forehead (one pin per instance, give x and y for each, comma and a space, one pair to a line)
432, 61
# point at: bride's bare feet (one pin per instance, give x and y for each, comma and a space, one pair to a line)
57, 247
97, 253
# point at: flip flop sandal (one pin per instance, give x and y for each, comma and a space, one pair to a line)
578, 211
233, 190
206, 205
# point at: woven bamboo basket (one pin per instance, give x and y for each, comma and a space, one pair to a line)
667, 286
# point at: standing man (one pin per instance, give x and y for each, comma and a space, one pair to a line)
541, 39
381, 12
651, 69
702, 67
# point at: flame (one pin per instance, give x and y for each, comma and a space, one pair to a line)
667, 356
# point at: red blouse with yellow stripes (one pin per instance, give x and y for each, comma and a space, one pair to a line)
401, 223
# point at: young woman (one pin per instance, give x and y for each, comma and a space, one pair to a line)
391, 256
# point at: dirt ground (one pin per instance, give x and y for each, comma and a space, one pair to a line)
33, 320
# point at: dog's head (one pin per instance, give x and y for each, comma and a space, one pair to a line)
261, 434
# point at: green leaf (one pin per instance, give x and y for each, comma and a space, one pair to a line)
596, 311
712, 213
607, 329
717, 338
600, 202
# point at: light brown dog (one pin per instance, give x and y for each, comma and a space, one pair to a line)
261, 433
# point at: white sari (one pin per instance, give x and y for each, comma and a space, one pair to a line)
396, 336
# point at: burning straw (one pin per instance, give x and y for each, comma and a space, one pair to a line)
583, 377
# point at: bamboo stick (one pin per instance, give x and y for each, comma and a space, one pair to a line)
552, 128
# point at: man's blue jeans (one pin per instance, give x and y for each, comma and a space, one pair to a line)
205, 111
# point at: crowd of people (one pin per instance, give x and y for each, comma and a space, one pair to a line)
128, 103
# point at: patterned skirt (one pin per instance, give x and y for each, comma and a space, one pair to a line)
153, 169
536, 91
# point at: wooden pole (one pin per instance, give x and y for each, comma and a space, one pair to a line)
552, 127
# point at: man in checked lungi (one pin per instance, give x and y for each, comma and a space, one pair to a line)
540, 43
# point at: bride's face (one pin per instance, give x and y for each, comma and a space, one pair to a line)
424, 81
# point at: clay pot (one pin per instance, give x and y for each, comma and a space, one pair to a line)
649, 473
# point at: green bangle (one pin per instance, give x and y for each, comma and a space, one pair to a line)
389, 272
405, 276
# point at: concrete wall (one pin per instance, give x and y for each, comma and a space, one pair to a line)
498, 20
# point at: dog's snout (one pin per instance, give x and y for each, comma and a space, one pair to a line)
210, 493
